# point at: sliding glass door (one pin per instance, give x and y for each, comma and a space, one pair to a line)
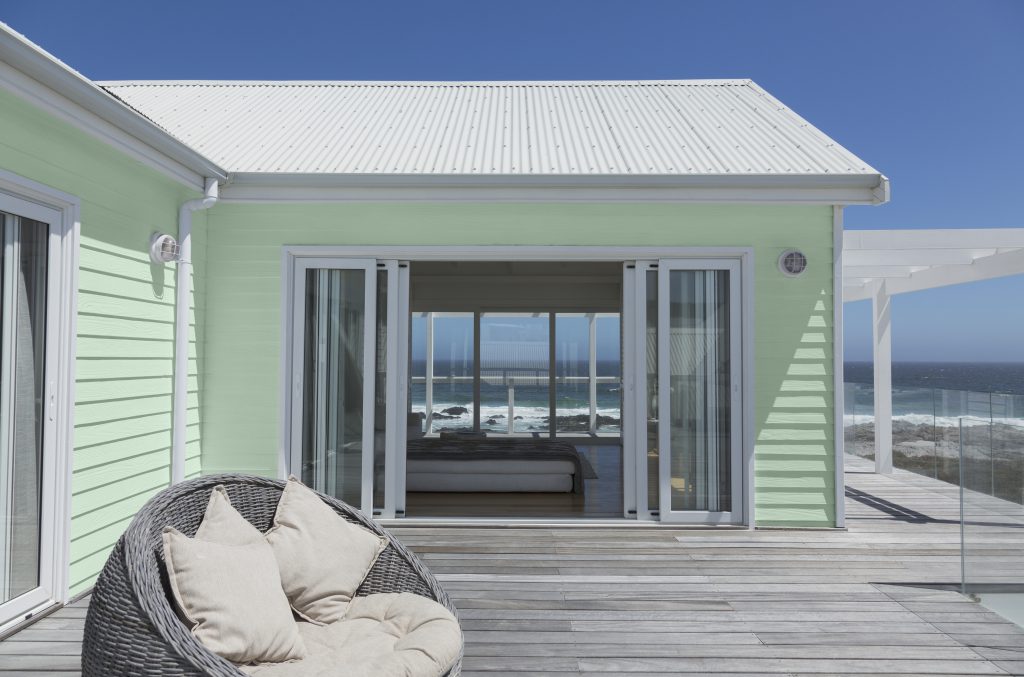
699, 391
26, 431
683, 353
345, 379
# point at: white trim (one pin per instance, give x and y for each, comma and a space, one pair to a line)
760, 189
62, 313
397, 487
630, 423
511, 252
838, 382
38, 76
748, 371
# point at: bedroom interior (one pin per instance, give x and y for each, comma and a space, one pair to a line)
514, 390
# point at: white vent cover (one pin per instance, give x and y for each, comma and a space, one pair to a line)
792, 262
163, 248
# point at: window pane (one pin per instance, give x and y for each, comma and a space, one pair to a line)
699, 389
453, 372
332, 448
23, 312
514, 361
608, 388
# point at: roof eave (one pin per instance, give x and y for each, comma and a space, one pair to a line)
138, 135
826, 189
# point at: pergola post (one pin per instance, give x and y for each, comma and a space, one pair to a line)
881, 325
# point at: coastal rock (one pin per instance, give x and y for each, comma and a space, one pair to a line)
455, 411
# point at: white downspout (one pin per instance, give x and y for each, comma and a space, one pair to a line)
182, 305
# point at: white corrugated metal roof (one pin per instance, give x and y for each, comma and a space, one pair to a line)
667, 128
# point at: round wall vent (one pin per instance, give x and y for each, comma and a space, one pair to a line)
163, 248
792, 262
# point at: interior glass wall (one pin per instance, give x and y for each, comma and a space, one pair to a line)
515, 358
448, 404
23, 269
588, 373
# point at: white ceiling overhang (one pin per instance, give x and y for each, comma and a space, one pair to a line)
914, 260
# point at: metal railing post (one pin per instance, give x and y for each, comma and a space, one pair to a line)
963, 542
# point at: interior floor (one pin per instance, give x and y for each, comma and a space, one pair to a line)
601, 497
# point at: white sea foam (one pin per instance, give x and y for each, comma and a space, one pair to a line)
939, 421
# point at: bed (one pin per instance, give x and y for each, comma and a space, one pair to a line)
494, 465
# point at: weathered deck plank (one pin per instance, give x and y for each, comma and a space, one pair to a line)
643, 601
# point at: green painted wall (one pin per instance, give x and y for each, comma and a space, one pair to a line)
793, 317
125, 324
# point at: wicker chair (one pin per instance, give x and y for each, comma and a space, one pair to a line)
132, 627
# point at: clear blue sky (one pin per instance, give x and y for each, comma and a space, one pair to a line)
930, 93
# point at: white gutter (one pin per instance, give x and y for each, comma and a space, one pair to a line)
182, 305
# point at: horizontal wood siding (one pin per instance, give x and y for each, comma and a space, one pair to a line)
125, 325
793, 317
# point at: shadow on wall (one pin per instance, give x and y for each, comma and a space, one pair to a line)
794, 460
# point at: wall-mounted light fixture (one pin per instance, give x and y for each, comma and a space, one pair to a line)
792, 262
163, 248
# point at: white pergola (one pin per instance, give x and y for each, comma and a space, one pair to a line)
878, 264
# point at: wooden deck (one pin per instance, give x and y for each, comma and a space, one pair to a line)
653, 600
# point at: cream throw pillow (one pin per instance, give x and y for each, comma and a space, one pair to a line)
228, 587
322, 558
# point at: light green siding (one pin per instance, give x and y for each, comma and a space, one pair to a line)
125, 324
795, 483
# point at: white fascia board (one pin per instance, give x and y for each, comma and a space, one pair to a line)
765, 189
34, 75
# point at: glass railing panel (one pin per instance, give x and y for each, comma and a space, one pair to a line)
859, 420
993, 515
913, 430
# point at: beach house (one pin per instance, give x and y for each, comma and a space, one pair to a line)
492, 302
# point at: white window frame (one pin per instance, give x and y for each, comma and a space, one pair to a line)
37, 201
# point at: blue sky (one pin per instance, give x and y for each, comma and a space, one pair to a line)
927, 92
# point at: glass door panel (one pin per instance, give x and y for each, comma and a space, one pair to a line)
336, 369
698, 398
24, 270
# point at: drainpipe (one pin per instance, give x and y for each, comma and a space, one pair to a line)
182, 297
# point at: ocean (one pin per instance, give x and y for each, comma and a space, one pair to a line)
985, 377
453, 398
941, 393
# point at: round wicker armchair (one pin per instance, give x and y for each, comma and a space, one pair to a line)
132, 627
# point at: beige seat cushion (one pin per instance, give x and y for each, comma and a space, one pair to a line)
322, 558
388, 635
228, 588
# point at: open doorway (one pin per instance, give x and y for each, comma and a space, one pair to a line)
515, 390
550, 389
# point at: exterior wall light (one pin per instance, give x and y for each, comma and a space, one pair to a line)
163, 248
792, 262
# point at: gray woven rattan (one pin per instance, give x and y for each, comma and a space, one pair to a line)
132, 628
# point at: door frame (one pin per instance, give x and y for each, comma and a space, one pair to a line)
60, 210
292, 254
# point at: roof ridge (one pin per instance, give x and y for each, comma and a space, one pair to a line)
734, 82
